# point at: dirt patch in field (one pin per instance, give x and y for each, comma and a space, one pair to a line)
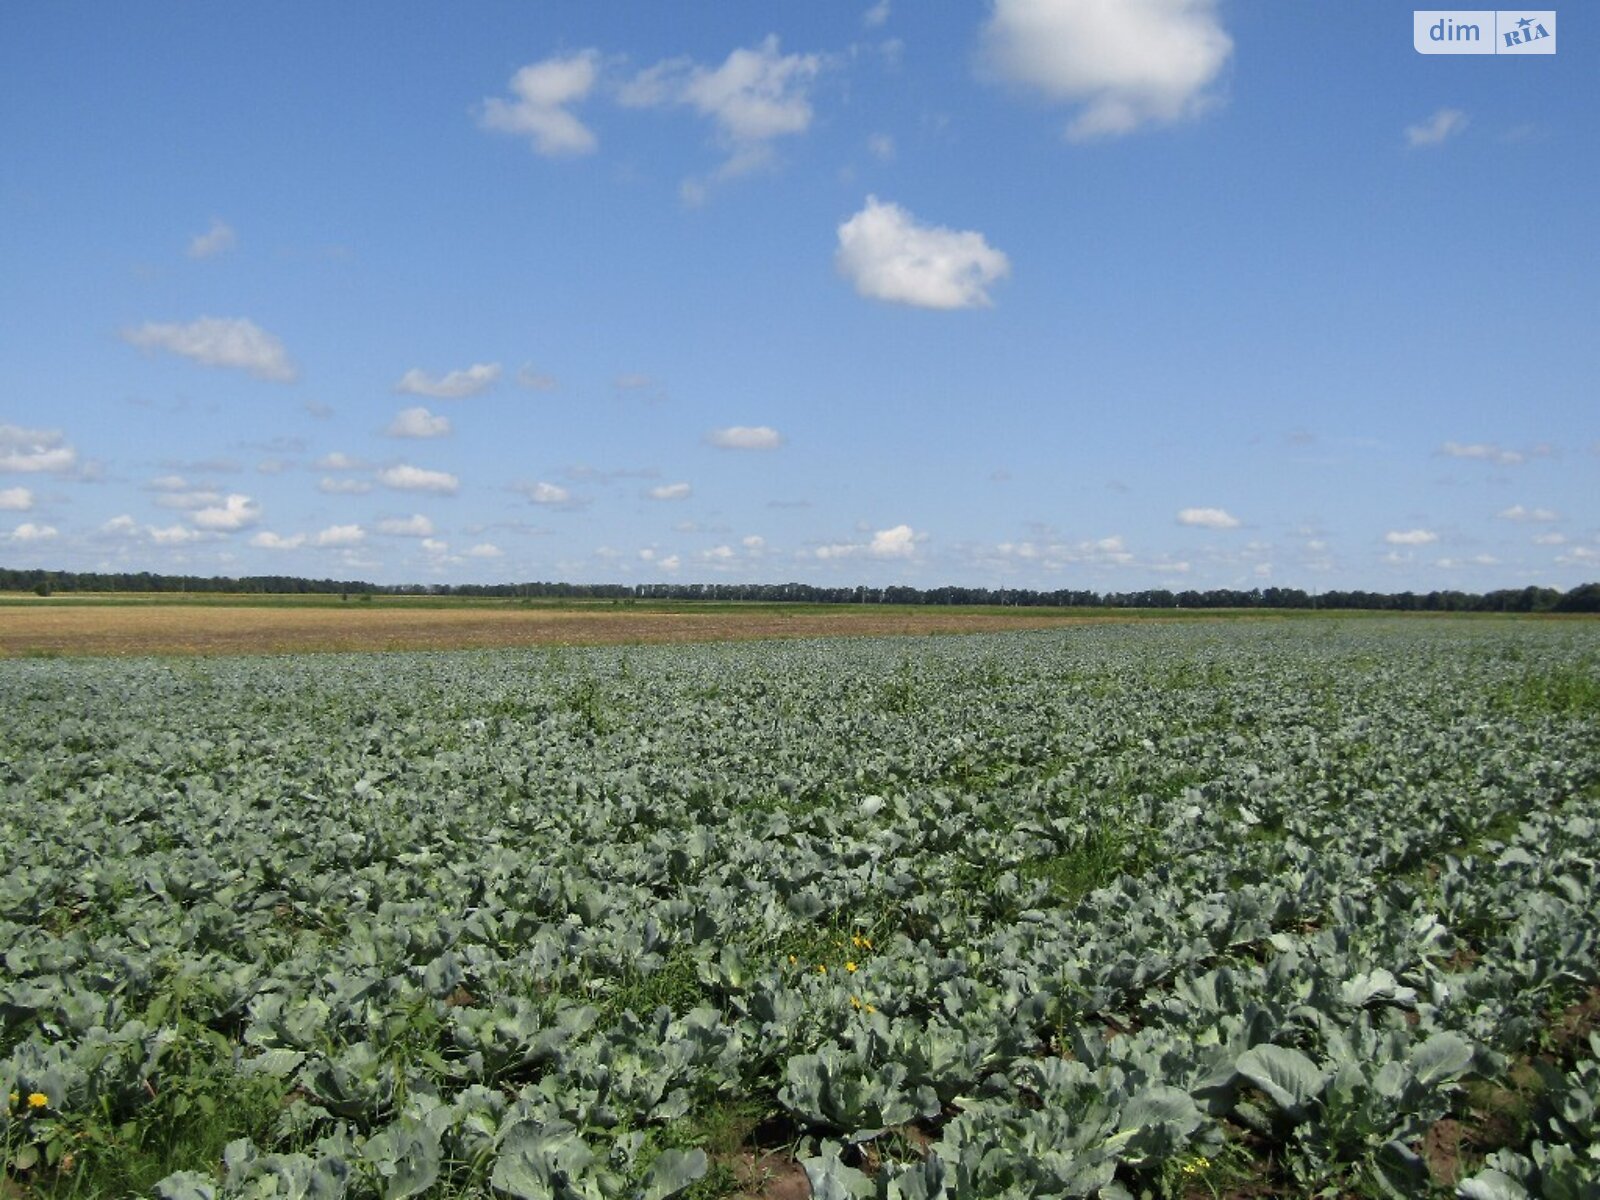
26, 631
769, 1176
1442, 1148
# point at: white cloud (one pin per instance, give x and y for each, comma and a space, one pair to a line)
418, 422
548, 493
220, 342
33, 450
340, 535
534, 380
1518, 513
1410, 537
755, 96
17, 499
745, 437
344, 487
406, 478
1208, 518
755, 543
543, 91
272, 541
1053, 554
1445, 123
339, 461
174, 491
123, 524
1484, 451
887, 255
214, 241
173, 535
1127, 63
881, 147
670, 563
452, 386
899, 542
29, 532
1578, 556
876, 16
235, 512
670, 491
1550, 539
415, 525
485, 550
434, 546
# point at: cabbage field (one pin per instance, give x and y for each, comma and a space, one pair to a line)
1267, 908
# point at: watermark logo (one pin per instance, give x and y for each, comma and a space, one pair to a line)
1484, 30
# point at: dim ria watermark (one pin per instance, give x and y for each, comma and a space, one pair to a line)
1484, 30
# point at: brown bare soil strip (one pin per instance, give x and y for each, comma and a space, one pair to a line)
184, 629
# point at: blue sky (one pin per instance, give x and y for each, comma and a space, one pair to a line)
1042, 293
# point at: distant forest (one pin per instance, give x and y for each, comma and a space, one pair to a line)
1582, 599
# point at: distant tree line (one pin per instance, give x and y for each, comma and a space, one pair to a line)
1584, 598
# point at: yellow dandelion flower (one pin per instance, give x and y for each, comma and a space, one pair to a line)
867, 942
37, 1099
851, 967
855, 1001
870, 1008
15, 1096
793, 960
822, 968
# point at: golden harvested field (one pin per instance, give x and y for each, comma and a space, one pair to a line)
210, 628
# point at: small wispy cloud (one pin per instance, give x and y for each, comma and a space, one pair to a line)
1410, 537
267, 540
1518, 512
454, 385
219, 239
754, 97
670, 491
534, 380
329, 486
418, 422
415, 525
539, 110
1442, 125
236, 343
1208, 518
547, 493
745, 437
1483, 452
406, 478
339, 536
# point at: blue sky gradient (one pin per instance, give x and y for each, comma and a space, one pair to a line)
1042, 293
